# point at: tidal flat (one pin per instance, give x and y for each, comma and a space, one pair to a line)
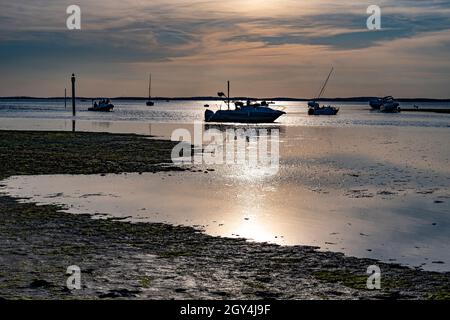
135, 260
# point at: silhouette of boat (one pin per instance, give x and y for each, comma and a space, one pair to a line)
103, 105
243, 113
390, 106
314, 108
389, 101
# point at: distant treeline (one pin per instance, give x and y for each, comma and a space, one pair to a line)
348, 99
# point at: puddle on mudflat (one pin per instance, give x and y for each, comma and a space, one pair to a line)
408, 228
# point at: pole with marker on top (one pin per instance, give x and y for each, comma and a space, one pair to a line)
73, 94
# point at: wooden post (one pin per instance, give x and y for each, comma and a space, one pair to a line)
73, 94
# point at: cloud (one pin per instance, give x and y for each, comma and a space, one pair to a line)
245, 39
344, 31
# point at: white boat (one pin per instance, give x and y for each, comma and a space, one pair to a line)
243, 113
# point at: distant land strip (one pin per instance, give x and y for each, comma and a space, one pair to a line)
206, 98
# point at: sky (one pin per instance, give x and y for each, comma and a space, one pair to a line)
266, 48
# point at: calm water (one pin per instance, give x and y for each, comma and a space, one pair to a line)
363, 183
351, 114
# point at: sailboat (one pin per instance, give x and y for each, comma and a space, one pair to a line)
314, 107
149, 101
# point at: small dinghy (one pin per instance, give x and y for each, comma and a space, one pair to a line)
103, 105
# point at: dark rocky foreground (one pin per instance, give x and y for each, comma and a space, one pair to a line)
157, 261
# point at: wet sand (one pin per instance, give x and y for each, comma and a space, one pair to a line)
150, 260
120, 260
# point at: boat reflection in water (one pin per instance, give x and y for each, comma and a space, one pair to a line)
253, 147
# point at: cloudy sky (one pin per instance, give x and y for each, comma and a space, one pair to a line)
265, 47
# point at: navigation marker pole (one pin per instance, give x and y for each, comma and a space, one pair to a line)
73, 94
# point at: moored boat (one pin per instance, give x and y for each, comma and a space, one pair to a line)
250, 113
391, 106
376, 103
386, 103
322, 111
314, 109
243, 113
103, 105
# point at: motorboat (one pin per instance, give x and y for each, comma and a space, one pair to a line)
249, 112
103, 105
388, 101
245, 113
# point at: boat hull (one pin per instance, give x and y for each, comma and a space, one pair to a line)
376, 104
244, 116
390, 109
387, 103
107, 108
323, 112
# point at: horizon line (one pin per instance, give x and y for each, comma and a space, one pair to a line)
357, 98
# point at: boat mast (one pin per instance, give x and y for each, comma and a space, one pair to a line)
150, 86
325, 84
228, 96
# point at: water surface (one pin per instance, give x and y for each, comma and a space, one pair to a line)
369, 191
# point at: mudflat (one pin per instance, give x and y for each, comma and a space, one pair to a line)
119, 259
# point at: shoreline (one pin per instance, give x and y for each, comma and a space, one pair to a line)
158, 261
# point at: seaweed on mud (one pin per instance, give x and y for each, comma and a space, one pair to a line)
121, 260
